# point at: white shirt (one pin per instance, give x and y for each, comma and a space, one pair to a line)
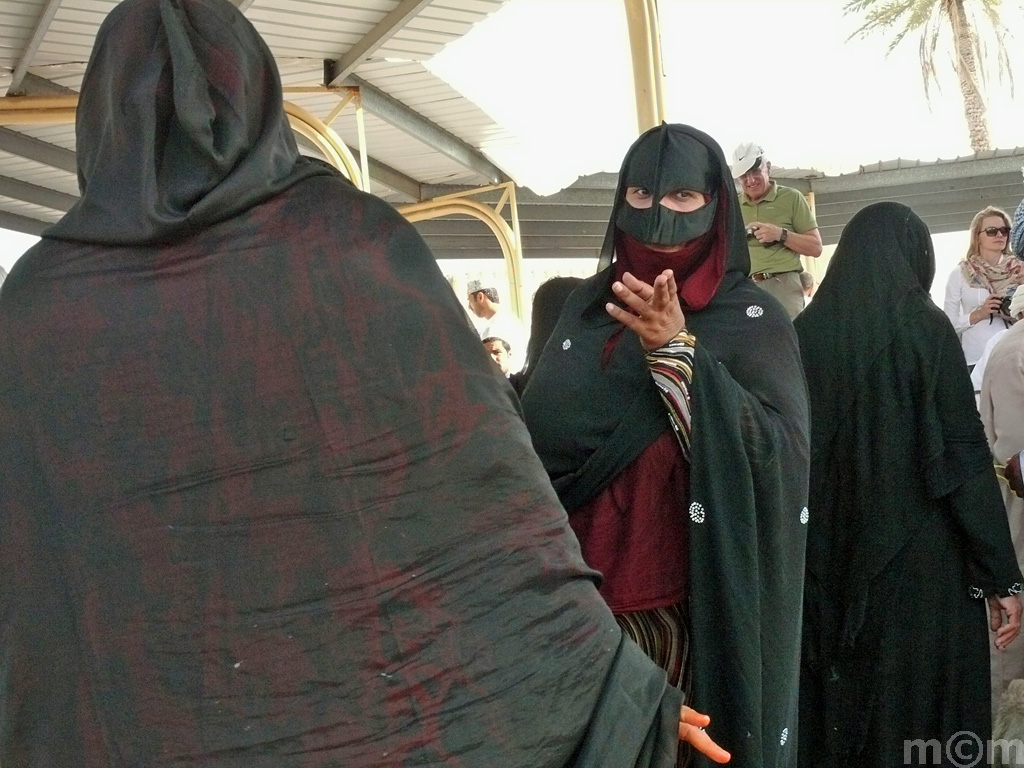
505, 326
961, 300
979, 370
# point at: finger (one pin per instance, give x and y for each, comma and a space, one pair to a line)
995, 619
673, 290
703, 743
638, 286
662, 298
630, 299
1006, 635
628, 319
693, 717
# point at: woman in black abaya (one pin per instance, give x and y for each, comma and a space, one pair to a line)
670, 412
907, 532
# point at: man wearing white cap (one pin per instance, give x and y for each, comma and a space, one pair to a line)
492, 321
1002, 412
780, 228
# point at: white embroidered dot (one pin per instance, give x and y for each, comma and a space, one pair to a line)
784, 737
754, 311
566, 344
697, 512
805, 515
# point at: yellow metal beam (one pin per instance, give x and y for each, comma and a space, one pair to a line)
342, 103
648, 72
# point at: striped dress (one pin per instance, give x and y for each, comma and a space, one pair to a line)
662, 632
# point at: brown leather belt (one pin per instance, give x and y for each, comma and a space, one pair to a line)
757, 277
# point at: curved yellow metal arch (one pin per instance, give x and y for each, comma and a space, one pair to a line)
326, 140
52, 110
506, 236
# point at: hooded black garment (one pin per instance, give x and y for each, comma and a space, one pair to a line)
590, 418
264, 501
907, 527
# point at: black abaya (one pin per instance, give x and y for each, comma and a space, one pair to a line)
907, 529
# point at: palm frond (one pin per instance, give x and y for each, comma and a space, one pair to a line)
881, 14
903, 17
926, 53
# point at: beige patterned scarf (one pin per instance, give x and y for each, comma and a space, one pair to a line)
1000, 279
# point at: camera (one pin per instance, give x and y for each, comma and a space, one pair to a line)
750, 231
1004, 309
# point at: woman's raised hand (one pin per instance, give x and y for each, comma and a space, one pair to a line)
656, 315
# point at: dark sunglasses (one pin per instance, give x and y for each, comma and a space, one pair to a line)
993, 231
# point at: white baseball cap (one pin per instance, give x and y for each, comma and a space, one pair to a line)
746, 156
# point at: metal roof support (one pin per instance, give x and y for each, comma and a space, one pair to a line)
392, 111
391, 178
33, 85
648, 72
30, 193
384, 30
23, 224
380, 172
47, 110
361, 134
14, 89
38, 151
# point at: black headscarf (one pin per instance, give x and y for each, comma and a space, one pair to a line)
174, 135
592, 408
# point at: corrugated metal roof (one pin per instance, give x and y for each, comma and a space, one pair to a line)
901, 163
302, 34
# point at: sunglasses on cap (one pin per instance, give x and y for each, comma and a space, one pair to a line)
993, 231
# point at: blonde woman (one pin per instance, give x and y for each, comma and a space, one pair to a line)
975, 289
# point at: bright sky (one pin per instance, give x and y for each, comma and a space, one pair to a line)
557, 74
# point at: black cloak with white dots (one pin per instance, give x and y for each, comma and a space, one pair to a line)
591, 413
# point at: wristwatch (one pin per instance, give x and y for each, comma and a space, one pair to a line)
783, 236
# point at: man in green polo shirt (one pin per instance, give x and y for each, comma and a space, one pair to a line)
780, 228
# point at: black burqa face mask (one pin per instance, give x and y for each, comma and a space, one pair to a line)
664, 162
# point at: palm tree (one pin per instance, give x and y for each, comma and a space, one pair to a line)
928, 17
